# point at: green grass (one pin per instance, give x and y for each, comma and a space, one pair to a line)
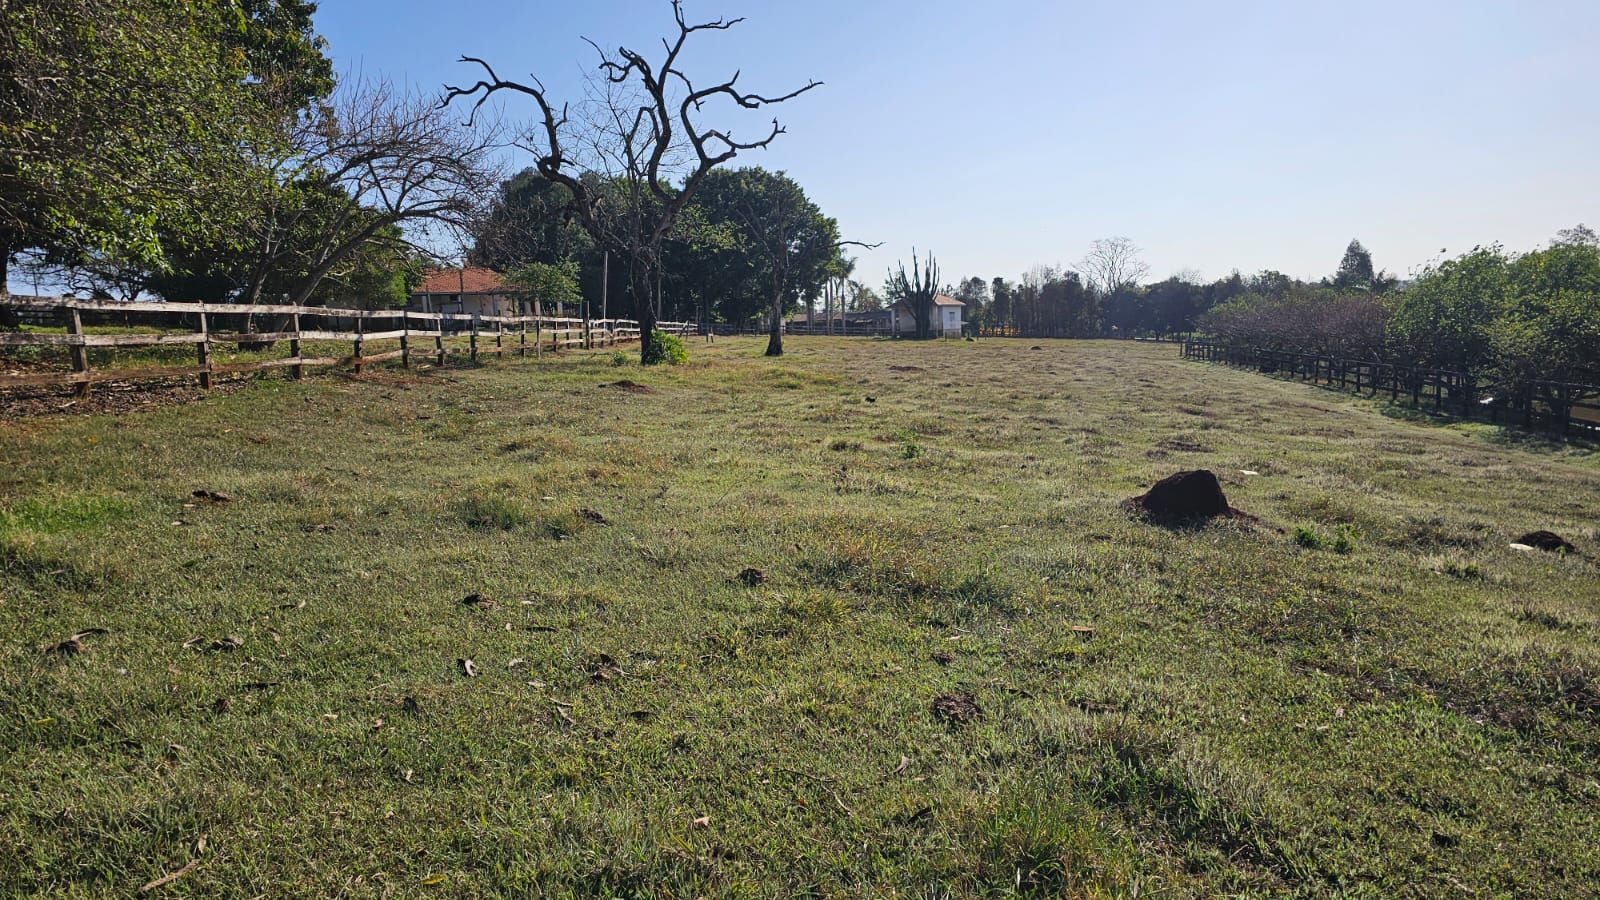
1395, 703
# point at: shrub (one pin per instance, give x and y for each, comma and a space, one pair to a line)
1343, 540
618, 358
1308, 537
667, 348
911, 450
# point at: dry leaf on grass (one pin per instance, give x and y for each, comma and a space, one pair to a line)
170, 877
220, 645
73, 645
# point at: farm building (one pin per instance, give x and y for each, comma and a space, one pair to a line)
470, 291
946, 320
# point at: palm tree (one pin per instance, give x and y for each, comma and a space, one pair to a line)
833, 290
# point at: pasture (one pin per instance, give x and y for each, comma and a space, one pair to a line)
958, 668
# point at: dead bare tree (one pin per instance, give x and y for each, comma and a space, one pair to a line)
917, 291
645, 135
1113, 264
350, 173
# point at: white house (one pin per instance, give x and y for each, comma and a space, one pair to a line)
945, 322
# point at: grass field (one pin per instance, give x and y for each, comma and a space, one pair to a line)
968, 671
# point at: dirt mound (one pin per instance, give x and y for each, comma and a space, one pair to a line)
907, 369
1187, 496
1547, 541
957, 709
632, 387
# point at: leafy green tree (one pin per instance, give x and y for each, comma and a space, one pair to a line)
974, 292
784, 242
1355, 269
1000, 310
1579, 235
863, 298
114, 116
379, 274
1548, 325
528, 221
549, 282
121, 122
1443, 318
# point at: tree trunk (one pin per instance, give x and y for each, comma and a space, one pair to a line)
922, 312
8, 316
639, 285
775, 336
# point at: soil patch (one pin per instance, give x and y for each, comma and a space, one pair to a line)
108, 397
957, 709
1548, 541
1193, 496
907, 369
632, 387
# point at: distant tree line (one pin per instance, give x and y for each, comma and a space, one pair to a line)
1515, 317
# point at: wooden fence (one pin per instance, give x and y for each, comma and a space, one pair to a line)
307, 330
840, 329
1568, 408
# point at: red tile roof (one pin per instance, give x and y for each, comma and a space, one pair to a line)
472, 280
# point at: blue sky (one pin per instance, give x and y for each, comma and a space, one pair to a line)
1004, 134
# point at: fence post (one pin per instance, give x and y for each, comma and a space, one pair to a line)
522, 337
360, 330
1566, 409
1469, 388
473, 339
438, 342
296, 371
80, 352
500, 338
203, 350
405, 340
